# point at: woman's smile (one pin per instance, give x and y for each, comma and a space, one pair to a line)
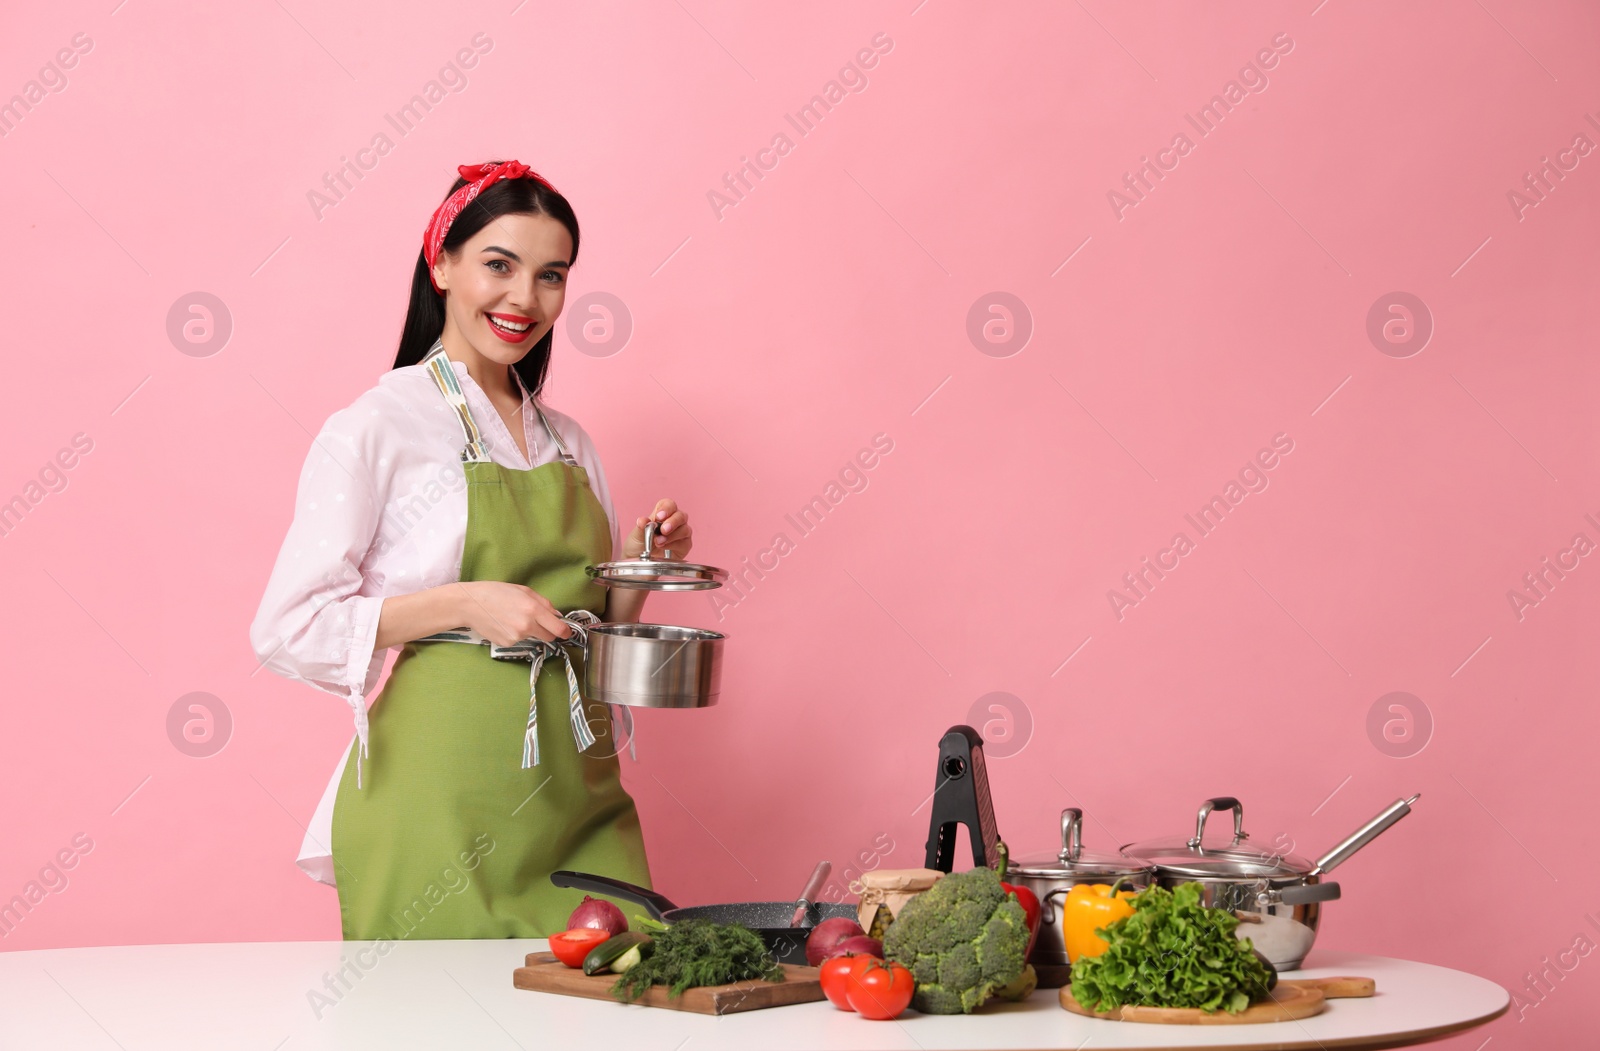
513, 328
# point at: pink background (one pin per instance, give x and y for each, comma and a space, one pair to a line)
770, 345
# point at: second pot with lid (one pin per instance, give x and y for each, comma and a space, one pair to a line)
1050, 878
1277, 896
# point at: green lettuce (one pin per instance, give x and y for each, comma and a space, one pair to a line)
1172, 952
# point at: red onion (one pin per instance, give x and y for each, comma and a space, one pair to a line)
827, 934
859, 945
599, 914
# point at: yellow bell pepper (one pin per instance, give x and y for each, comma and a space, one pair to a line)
1086, 908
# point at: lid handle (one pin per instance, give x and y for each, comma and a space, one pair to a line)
1071, 833
649, 540
1219, 803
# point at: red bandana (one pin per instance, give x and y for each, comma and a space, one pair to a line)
479, 178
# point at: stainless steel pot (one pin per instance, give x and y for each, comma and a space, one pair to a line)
1051, 878
654, 665
1277, 896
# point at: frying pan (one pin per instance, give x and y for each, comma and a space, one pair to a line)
770, 919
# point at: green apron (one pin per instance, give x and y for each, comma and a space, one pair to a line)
451, 833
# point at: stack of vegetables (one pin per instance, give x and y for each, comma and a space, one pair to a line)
680, 955
1165, 949
950, 949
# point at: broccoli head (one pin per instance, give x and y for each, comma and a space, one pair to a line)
962, 939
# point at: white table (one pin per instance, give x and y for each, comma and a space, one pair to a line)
458, 994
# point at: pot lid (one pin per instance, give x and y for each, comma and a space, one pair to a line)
1219, 856
1074, 862
646, 573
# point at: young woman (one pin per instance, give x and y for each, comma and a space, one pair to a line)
447, 511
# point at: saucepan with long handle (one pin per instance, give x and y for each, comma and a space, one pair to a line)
1277, 896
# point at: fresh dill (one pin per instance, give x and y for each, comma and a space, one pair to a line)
698, 952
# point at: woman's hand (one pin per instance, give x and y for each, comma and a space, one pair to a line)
505, 614
672, 533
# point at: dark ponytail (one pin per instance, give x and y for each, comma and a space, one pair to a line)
425, 314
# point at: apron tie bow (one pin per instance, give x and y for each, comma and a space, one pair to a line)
537, 651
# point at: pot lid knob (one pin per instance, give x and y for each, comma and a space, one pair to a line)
1071, 834
657, 573
1219, 803
650, 530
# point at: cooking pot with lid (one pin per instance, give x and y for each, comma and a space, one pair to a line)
654, 665
1277, 896
1051, 878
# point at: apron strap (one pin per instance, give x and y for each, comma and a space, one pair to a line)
555, 436
566, 457
443, 372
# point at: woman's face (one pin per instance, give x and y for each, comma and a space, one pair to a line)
510, 276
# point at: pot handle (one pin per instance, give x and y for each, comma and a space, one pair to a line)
1302, 895
1047, 904
658, 905
1219, 803
1364, 835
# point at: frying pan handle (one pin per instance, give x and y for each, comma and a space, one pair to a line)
1219, 803
658, 905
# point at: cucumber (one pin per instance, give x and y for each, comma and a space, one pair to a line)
622, 964
604, 956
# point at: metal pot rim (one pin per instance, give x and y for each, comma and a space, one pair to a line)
1188, 873
656, 632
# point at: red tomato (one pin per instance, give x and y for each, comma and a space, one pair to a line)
879, 990
572, 946
836, 976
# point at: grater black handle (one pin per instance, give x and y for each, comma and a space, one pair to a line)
961, 797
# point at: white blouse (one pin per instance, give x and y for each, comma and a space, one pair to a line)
382, 510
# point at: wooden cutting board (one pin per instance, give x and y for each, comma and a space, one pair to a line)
546, 974
1291, 998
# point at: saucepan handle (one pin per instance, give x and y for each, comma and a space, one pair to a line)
1364, 835
657, 904
1302, 895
